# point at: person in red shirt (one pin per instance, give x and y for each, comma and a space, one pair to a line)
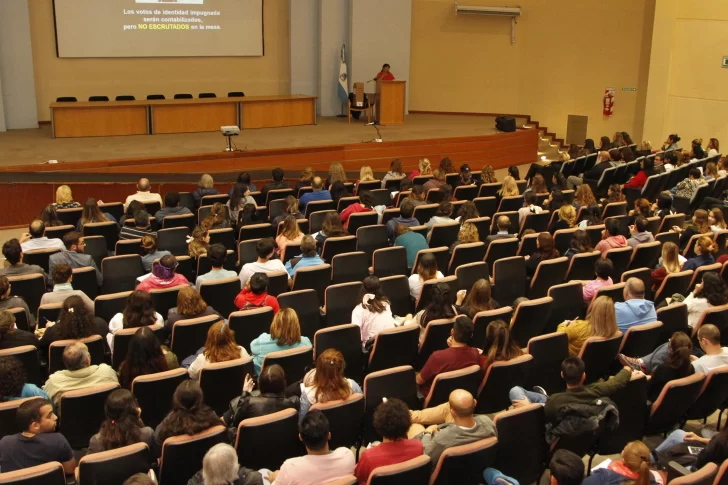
364, 205
255, 295
391, 422
384, 74
458, 355
640, 179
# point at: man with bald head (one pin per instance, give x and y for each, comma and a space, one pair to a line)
35, 238
78, 374
319, 193
460, 427
503, 223
634, 310
144, 194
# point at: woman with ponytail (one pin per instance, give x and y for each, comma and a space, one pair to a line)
632, 469
123, 425
600, 322
498, 344
708, 293
705, 250
676, 366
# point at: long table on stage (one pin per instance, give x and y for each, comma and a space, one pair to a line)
149, 117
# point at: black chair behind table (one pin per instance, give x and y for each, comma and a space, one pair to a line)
66, 99
155, 96
346, 339
98, 98
522, 449
28, 356
348, 267
188, 336
464, 464
123, 337
250, 324
276, 438
121, 273
316, 278
295, 362
82, 412
183, 96
641, 340
306, 305
114, 467
236, 94
468, 274
498, 381
394, 347
390, 261
436, 334
222, 381
29, 287
182, 455
501, 249
220, 294
598, 354
154, 392
548, 351
345, 418
340, 300
509, 276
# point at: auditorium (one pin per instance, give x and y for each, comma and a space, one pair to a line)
371, 242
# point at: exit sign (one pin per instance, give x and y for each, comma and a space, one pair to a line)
725, 62
629, 89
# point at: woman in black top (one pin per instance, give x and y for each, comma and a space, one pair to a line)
7, 301
546, 251
10, 337
677, 365
75, 321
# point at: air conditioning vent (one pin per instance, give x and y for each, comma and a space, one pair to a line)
493, 11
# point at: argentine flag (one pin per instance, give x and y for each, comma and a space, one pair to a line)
343, 77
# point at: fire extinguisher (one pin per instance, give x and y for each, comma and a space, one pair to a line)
608, 102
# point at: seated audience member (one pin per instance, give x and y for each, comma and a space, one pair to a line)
285, 333
220, 466
151, 253
64, 198
709, 341
664, 205
466, 212
255, 294
206, 186
318, 193
412, 241
610, 238
426, 270
92, 214
189, 415
123, 425
478, 299
634, 310
566, 219
266, 263
710, 292
639, 232
62, 288
248, 216
199, 244
391, 421
509, 188
632, 467
424, 167
365, 204
647, 166
395, 172
74, 255
574, 374
142, 227
716, 220
239, 198
499, 347
144, 194
326, 382
304, 180
218, 218
289, 233
669, 263
320, 465
642, 208
49, 216
405, 217
171, 208
78, 374
163, 275
436, 182
243, 178
544, 252
468, 233
503, 223
458, 355
566, 468
591, 216
704, 248
440, 307
75, 321
189, 305
289, 209
452, 424
688, 187
277, 182
331, 227
579, 244
417, 196
14, 256
220, 346
13, 381
699, 225
309, 256
530, 206
600, 322
11, 336
676, 366
715, 449
442, 215
134, 207
217, 255
614, 194
37, 443
602, 269
144, 356
604, 162
35, 239
272, 397
373, 314
138, 312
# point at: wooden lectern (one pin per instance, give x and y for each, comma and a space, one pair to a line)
390, 102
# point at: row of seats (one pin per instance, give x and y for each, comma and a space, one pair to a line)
127, 97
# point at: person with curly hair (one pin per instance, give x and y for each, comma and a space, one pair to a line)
468, 234
151, 253
144, 356
189, 305
304, 180
710, 292
123, 425
75, 321
391, 421
487, 175
199, 242
14, 383
326, 382
220, 346
217, 218
336, 174
138, 312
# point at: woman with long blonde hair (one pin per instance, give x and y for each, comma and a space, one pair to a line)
700, 225
285, 333
669, 263
566, 218
305, 179
289, 234
600, 322
509, 188
64, 198
423, 168
220, 346
716, 220
366, 174
326, 382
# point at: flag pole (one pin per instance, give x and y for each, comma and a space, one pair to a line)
343, 87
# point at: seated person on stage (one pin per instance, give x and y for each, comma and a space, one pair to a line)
391, 421
171, 208
144, 193
452, 424
74, 256
37, 443
634, 310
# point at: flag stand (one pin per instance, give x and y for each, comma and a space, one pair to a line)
343, 114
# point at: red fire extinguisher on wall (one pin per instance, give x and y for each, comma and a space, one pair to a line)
608, 102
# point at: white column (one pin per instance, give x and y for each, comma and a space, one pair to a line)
334, 31
304, 39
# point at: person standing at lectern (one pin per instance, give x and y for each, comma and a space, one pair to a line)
384, 74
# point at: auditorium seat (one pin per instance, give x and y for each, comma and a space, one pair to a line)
673, 402
154, 392
221, 382
155, 96
207, 95
276, 440
295, 362
548, 351
340, 301
529, 320
436, 334
98, 98
236, 94
345, 417
81, 413
416, 470
120, 273
182, 96
28, 356
125, 97
182, 455
113, 467
598, 354
189, 335
47, 474
30, 287
641, 340
66, 99
306, 305
444, 383
500, 377
465, 463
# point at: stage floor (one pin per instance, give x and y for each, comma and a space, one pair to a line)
21, 147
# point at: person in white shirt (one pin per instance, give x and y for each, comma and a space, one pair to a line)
713, 147
708, 293
426, 270
143, 194
220, 346
139, 312
34, 238
373, 314
715, 355
266, 263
